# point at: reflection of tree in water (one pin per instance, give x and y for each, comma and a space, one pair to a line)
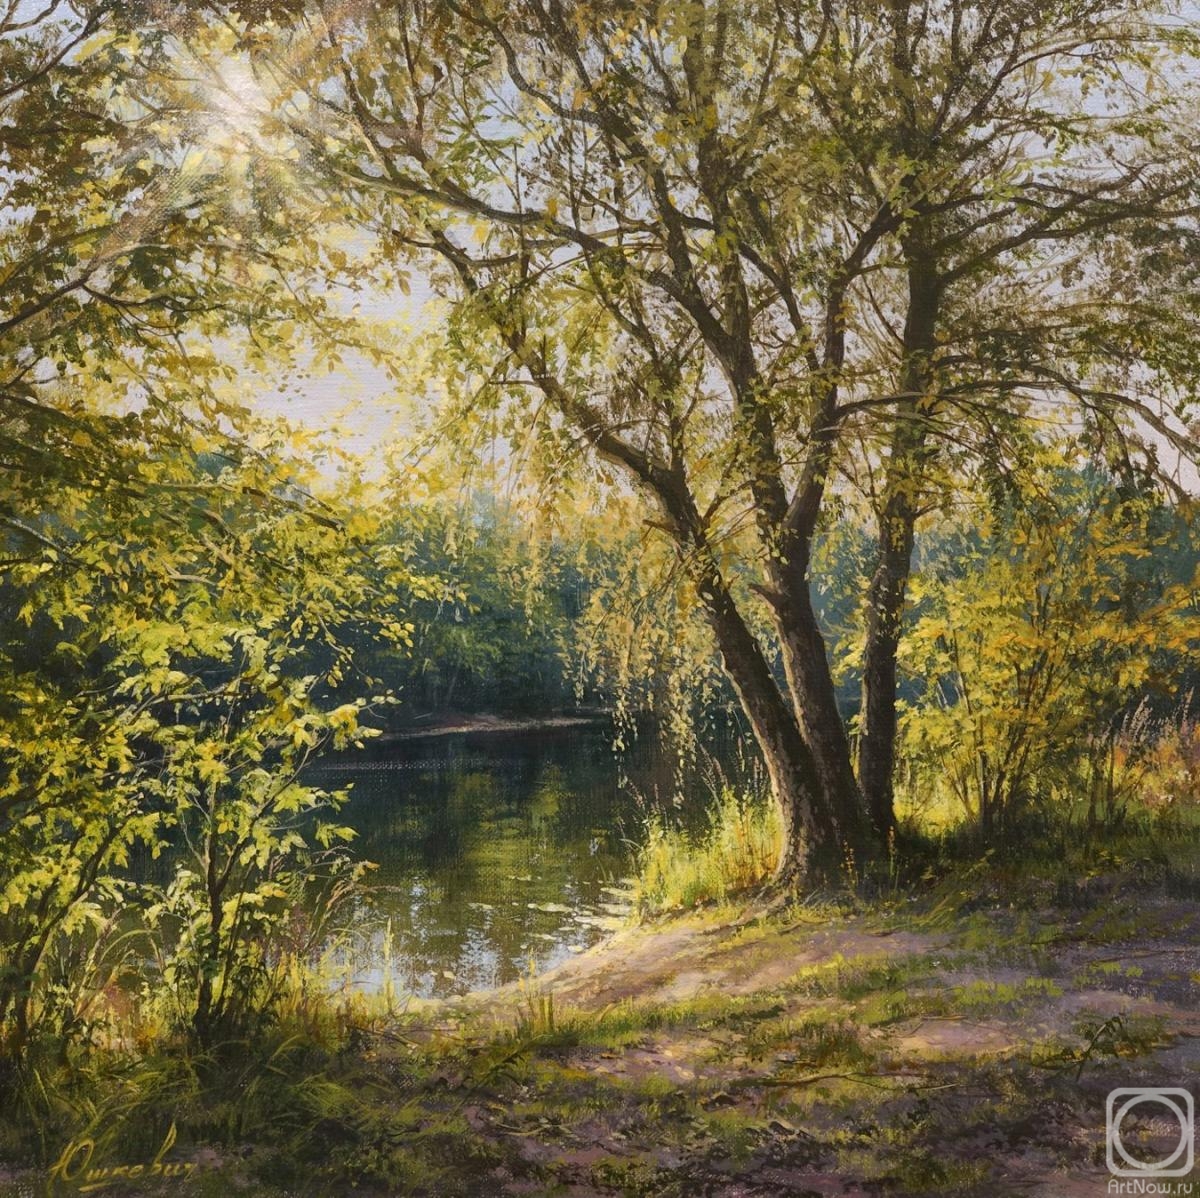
494, 850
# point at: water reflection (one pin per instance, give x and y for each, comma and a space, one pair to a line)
497, 854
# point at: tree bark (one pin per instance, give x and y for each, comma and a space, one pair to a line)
818, 824
813, 699
897, 519
817, 827
810, 681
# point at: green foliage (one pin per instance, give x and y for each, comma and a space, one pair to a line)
737, 850
494, 605
1035, 648
165, 567
165, 706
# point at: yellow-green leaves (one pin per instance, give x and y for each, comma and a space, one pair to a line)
1033, 648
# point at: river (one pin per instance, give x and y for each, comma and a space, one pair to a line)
498, 854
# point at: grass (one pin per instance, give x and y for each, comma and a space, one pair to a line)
340, 1095
1052, 858
736, 851
803, 1076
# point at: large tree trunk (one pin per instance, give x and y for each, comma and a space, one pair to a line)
897, 518
809, 705
810, 681
819, 824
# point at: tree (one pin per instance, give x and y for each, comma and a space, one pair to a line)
162, 556
1050, 200
735, 249
1039, 645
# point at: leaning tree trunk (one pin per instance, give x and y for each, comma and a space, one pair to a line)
810, 681
818, 824
897, 518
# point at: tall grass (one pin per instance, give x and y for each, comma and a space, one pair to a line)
736, 850
140, 1074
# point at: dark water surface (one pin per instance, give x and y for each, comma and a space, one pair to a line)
499, 854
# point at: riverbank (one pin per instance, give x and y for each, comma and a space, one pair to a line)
452, 724
958, 1042
813, 1052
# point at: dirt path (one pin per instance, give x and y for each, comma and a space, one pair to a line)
841, 1056
687, 959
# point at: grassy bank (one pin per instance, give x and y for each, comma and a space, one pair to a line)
957, 1036
735, 851
733, 854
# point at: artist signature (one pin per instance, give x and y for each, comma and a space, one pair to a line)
75, 1168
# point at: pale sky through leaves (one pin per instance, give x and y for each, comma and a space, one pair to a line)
369, 410
360, 400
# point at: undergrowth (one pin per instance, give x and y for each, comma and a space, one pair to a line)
736, 850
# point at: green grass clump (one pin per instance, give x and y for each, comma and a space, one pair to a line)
737, 850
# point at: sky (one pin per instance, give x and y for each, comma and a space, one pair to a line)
360, 399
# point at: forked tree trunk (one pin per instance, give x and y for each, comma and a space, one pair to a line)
818, 825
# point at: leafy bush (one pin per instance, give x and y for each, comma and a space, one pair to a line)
1035, 651
168, 673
